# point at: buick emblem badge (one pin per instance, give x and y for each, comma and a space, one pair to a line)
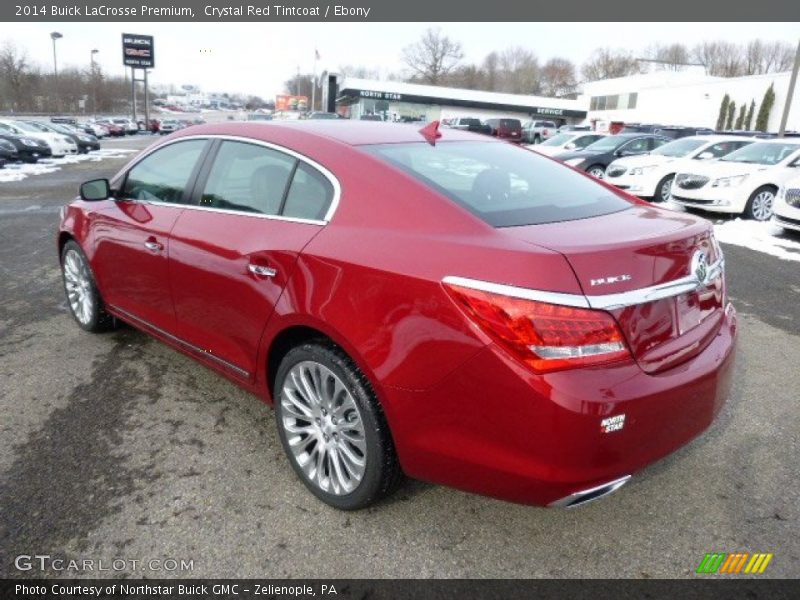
700, 266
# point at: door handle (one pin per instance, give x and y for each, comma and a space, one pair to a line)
153, 246
262, 271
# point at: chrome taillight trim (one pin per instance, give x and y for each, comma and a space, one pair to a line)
661, 291
519, 292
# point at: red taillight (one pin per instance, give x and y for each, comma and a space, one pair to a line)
544, 132
547, 337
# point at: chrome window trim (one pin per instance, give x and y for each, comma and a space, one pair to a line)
337, 188
600, 302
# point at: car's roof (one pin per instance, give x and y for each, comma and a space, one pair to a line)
346, 131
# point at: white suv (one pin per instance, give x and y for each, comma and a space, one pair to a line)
650, 175
744, 181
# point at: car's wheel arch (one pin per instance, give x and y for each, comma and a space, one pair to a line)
296, 330
63, 238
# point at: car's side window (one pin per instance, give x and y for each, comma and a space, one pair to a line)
309, 196
655, 142
248, 178
584, 141
637, 145
162, 176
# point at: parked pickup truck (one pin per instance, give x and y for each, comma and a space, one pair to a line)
470, 124
536, 132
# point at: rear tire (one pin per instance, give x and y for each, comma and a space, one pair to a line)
664, 188
537, 139
760, 204
332, 427
83, 297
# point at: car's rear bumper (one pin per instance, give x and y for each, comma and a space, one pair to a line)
493, 427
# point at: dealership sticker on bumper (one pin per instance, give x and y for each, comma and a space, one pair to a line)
614, 423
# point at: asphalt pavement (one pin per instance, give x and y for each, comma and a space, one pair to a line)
115, 447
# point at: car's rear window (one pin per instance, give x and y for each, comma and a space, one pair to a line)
511, 123
502, 184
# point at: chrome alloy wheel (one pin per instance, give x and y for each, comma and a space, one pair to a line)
598, 172
762, 205
78, 283
666, 189
324, 428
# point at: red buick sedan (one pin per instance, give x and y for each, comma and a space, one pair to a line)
442, 305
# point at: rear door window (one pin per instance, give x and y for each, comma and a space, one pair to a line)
247, 178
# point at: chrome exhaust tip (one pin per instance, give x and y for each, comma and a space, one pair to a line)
590, 495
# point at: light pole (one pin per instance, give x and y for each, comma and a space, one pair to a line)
55, 36
94, 83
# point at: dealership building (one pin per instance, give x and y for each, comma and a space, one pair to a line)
398, 101
686, 97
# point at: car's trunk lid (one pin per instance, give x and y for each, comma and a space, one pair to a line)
633, 250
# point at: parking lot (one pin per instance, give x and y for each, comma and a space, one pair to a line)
114, 446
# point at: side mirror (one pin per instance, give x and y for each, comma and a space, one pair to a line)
706, 156
95, 190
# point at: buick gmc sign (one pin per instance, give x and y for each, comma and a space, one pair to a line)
138, 51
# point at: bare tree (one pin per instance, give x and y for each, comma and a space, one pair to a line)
606, 63
720, 58
520, 72
558, 77
14, 75
767, 57
470, 77
491, 69
433, 56
669, 57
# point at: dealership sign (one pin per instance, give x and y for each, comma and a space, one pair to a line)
138, 51
548, 112
380, 95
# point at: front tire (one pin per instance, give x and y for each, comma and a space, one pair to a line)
596, 171
332, 427
83, 297
759, 205
664, 188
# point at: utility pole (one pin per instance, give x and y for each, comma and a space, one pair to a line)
787, 105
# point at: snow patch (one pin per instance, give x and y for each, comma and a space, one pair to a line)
20, 171
761, 237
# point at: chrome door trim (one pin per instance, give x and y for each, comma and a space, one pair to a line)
602, 302
337, 188
181, 342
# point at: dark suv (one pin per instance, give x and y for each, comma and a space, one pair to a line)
507, 129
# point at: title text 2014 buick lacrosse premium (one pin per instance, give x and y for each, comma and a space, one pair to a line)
444, 305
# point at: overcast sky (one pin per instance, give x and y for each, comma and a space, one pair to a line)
258, 57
